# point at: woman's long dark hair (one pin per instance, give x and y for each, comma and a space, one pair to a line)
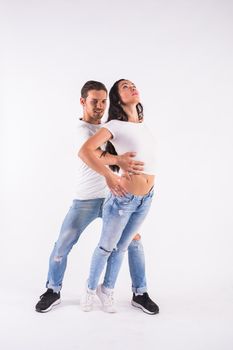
117, 112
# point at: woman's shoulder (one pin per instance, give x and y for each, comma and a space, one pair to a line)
114, 126
119, 124
114, 121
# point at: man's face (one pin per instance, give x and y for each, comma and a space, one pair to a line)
94, 105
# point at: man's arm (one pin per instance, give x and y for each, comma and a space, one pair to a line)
124, 161
87, 154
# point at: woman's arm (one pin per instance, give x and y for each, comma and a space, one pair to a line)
88, 155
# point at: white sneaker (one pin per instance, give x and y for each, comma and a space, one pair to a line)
87, 300
106, 298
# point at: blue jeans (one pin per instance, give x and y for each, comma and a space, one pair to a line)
80, 215
122, 216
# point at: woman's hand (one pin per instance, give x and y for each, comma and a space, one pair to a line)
114, 183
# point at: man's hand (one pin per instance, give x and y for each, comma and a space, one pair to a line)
114, 183
127, 164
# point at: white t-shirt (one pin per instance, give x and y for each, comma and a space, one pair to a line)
90, 184
133, 137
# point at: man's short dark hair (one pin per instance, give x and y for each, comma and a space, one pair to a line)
92, 85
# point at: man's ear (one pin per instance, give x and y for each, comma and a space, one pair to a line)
82, 101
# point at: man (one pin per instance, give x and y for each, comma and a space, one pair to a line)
90, 194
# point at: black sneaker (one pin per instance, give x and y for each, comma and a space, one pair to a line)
145, 303
48, 300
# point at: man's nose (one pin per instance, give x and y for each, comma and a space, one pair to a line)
99, 105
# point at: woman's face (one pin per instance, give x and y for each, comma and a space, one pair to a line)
128, 92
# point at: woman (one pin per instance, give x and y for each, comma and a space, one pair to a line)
131, 194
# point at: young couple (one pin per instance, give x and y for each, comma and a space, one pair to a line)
123, 209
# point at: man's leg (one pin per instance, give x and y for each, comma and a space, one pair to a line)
117, 255
136, 260
117, 233
80, 215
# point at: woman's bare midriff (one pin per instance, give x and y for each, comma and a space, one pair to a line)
138, 184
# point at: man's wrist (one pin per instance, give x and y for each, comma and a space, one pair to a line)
106, 172
117, 160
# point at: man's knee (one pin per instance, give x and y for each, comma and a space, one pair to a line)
136, 243
137, 237
58, 258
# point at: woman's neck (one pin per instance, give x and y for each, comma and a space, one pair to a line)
132, 113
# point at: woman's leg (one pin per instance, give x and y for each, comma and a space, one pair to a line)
113, 225
115, 260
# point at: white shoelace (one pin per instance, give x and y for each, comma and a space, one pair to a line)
89, 298
110, 300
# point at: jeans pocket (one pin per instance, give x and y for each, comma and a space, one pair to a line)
108, 198
124, 200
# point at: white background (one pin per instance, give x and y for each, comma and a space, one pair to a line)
179, 54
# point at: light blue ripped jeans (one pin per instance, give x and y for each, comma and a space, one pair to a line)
80, 215
122, 217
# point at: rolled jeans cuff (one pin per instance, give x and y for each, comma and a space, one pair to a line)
54, 288
139, 290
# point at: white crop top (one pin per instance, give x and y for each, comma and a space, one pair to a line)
133, 137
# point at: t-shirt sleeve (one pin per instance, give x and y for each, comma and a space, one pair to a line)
112, 127
83, 134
